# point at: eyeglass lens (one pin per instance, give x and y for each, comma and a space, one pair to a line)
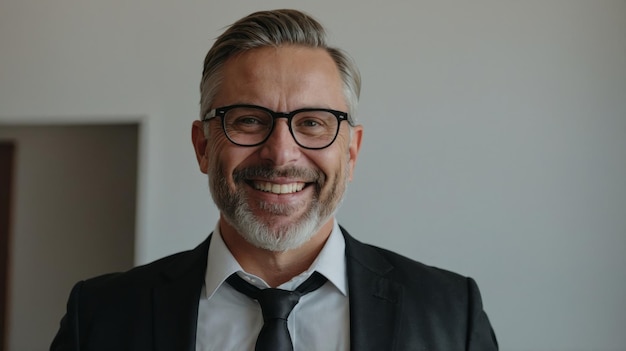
251, 126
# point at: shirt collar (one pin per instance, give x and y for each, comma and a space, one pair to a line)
331, 262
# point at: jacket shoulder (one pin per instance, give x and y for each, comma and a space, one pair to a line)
150, 274
398, 267
408, 268
446, 304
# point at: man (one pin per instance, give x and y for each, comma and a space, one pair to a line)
278, 140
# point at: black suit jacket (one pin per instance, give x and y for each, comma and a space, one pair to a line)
395, 304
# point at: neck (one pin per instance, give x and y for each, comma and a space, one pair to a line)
274, 267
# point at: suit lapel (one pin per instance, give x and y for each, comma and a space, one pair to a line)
374, 299
176, 301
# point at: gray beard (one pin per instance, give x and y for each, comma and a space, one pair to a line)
236, 210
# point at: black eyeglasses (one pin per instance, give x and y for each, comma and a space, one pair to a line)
251, 125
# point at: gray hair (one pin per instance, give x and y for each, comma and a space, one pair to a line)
274, 28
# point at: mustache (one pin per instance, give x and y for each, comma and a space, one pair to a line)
305, 174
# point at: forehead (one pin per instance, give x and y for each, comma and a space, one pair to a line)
286, 76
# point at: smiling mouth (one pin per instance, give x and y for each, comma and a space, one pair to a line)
274, 188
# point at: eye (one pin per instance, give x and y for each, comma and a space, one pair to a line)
248, 121
310, 122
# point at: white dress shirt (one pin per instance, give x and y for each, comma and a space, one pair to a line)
229, 320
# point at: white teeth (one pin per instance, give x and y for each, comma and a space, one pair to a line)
278, 188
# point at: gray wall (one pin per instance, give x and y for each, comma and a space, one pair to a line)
495, 135
74, 217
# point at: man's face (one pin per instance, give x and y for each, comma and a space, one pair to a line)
277, 195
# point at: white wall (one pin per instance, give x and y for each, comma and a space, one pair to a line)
495, 135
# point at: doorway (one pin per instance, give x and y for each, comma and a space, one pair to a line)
7, 150
72, 217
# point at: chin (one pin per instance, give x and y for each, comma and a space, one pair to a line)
274, 237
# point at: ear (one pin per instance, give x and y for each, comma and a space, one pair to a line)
199, 141
354, 148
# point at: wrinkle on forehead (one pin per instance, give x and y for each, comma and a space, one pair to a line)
284, 78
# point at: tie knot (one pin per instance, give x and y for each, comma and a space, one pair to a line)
277, 303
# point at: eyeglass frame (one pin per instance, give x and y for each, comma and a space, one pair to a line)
221, 112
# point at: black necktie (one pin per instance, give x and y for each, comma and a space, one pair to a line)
276, 305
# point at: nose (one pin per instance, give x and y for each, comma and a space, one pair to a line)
280, 148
